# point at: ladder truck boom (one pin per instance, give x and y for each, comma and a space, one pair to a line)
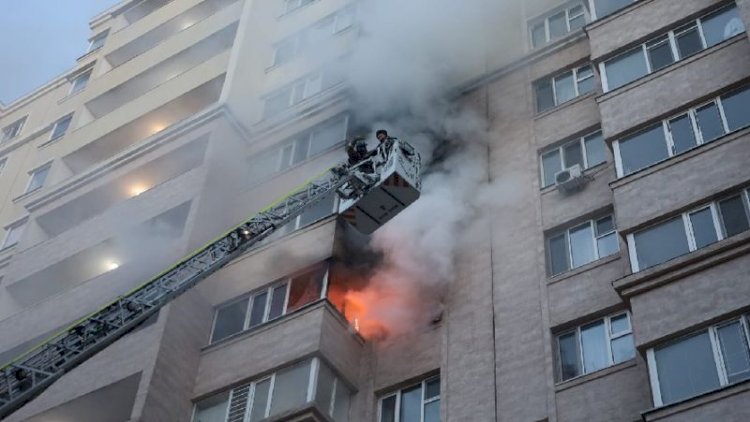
371, 193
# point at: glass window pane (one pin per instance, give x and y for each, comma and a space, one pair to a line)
319, 211
608, 245
258, 309
595, 149
327, 135
619, 324
229, 319
388, 409
594, 342
659, 53
551, 165
277, 302
573, 154
577, 22
564, 89
37, 179
606, 7
709, 122
305, 288
686, 368
605, 225
61, 127
704, 231
688, 41
582, 245
260, 401
557, 25
736, 106
569, 362
722, 25
212, 409
301, 147
661, 243
13, 234
683, 135
625, 68
642, 150
558, 251
622, 348
286, 157
432, 411
411, 404
733, 216
284, 52
585, 85
545, 98
734, 351
538, 35
290, 388
324, 391
341, 402
432, 389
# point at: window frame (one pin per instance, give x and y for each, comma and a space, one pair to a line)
609, 338
304, 83
595, 15
46, 166
569, 248
718, 357
581, 140
691, 112
267, 289
9, 228
103, 35
716, 218
545, 18
573, 73
87, 73
672, 42
52, 137
398, 394
19, 124
285, 9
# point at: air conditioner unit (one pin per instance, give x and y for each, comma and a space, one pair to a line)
570, 180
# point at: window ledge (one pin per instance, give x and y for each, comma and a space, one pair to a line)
26, 195
683, 266
584, 268
566, 104
69, 96
671, 161
583, 379
674, 409
616, 14
670, 68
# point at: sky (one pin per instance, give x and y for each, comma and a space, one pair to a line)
41, 39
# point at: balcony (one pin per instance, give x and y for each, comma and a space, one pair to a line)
162, 72
142, 9
139, 126
130, 256
175, 17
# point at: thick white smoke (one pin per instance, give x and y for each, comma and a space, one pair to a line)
404, 73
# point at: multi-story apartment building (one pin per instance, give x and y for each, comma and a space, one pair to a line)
609, 284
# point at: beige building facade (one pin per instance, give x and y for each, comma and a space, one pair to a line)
611, 284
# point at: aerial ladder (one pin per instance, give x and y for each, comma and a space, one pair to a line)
371, 192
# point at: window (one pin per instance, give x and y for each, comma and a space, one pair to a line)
690, 231
13, 233
212, 409
666, 49
603, 8
295, 45
37, 178
594, 346
558, 24
269, 303
300, 90
564, 87
3, 162
418, 403
586, 151
310, 381
98, 41
60, 127
80, 82
14, 129
299, 148
582, 244
701, 362
689, 129
292, 5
